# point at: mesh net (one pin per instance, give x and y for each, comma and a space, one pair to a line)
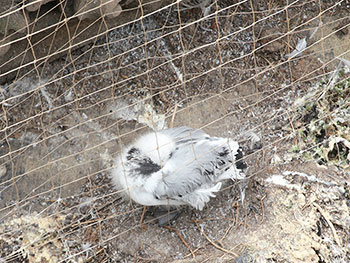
80, 80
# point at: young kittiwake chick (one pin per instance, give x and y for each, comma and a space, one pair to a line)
178, 166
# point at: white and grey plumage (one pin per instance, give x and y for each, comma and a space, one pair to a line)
178, 166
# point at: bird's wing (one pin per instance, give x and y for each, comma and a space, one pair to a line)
196, 166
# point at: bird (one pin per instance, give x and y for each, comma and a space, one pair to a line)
177, 166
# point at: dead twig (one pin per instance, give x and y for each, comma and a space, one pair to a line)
86, 219
237, 214
173, 117
227, 231
181, 238
143, 227
193, 252
93, 257
262, 208
326, 217
212, 242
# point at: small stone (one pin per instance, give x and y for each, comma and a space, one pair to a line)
13, 22
3, 170
87, 9
4, 46
270, 42
35, 5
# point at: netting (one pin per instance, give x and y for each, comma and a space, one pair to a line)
80, 80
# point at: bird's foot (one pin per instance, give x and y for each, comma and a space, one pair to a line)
165, 217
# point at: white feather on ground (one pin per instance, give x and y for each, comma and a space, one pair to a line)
178, 166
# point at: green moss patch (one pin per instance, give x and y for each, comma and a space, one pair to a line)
323, 122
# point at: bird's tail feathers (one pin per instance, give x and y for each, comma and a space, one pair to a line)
200, 197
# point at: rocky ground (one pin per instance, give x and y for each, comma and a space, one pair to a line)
63, 131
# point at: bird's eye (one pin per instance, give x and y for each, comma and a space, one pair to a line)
180, 196
157, 197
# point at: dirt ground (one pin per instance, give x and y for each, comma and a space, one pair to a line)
63, 131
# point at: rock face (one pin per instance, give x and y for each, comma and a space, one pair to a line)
19, 17
87, 9
15, 22
42, 17
34, 5
4, 45
16, 19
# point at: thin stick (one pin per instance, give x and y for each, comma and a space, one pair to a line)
143, 214
143, 217
245, 217
94, 256
181, 238
173, 117
262, 209
227, 231
194, 251
326, 217
212, 242
237, 214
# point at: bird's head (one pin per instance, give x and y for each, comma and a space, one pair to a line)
240, 163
